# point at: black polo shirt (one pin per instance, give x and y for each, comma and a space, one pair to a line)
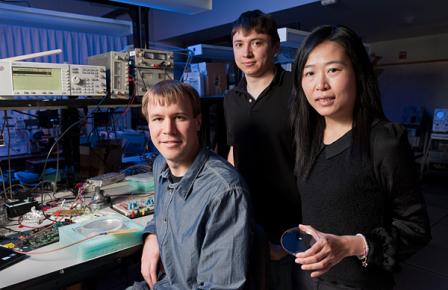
261, 136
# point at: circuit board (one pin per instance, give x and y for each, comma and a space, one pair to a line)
30, 240
135, 207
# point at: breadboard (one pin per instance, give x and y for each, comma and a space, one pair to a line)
135, 207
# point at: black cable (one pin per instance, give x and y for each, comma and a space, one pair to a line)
114, 127
187, 63
9, 154
4, 123
56, 142
27, 114
1, 171
3, 182
132, 97
94, 130
57, 158
91, 113
143, 81
109, 123
62, 135
14, 231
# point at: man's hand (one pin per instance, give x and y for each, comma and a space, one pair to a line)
150, 260
230, 156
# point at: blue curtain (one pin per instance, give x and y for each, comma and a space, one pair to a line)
76, 46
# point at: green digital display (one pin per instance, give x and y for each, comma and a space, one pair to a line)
31, 78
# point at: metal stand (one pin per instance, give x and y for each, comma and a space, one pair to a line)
99, 201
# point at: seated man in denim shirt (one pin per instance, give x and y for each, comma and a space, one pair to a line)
200, 230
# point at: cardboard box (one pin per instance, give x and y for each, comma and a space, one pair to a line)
215, 77
104, 157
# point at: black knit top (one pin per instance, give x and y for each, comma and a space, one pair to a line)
378, 197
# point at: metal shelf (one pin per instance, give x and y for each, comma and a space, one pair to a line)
212, 51
433, 155
55, 104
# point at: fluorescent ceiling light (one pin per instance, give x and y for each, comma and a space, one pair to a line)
26, 16
181, 6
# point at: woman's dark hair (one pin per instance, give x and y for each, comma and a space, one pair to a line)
307, 124
258, 21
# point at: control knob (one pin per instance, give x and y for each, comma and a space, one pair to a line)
76, 80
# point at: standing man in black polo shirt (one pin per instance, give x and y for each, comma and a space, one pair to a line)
260, 136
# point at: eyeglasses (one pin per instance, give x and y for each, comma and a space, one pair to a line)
294, 241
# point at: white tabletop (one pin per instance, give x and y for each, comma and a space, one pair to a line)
39, 265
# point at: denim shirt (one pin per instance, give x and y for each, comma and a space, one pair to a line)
202, 225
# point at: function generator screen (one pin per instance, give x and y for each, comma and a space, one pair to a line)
32, 78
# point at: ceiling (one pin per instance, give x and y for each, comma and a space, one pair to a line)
374, 20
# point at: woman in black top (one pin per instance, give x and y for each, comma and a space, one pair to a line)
360, 196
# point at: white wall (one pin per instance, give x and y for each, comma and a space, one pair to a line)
419, 80
431, 47
165, 24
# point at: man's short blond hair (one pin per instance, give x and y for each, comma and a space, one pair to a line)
170, 92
